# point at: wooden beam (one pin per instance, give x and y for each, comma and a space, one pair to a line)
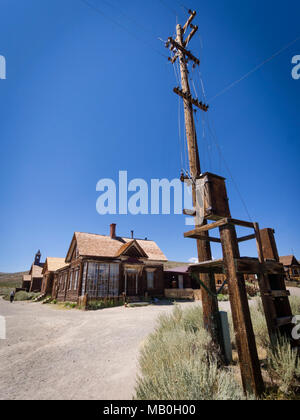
188, 54
190, 36
189, 97
241, 223
247, 238
253, 266
195, 235
191, 213
244, 334
214, 266
189, 21
278, 293
285, 320
208, 227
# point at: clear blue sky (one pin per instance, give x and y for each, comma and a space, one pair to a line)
84, 99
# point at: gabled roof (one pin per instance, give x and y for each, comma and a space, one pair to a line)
36, 271
126, 248
289, 260
53, 264
26, 277
91, 245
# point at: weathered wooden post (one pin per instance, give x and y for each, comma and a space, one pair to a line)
211, 315
244, 334
250, 367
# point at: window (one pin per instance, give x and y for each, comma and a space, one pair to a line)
65, 281
102, 280
76, 278
71, 280
83, 279
150, 280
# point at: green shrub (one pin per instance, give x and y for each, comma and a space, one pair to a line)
103, 304
223, 298
22, 296
70, 305
177, 362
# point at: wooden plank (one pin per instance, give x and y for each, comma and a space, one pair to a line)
207, 227
241, 223
269, 244
245, 339
190, 36
246, 238
264, 287
278, 293
282, 321
183, 51
191, 213
189, 21
214, 266
188, 97
195, 235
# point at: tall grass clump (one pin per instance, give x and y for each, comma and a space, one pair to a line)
284, 366
295, 304
177, 362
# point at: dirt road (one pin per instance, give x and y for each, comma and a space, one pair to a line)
59, 354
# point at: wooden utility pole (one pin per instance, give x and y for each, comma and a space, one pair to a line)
215, 194
211, 316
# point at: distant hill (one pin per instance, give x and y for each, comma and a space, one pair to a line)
11, 279
174, 264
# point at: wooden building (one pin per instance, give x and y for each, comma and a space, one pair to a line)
179, 278
50, 267
108, 267
291, 267
33, 281
26, 282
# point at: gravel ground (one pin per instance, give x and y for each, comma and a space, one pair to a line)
57, 354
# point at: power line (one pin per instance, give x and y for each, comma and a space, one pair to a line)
145, 28
215, 140
99, 11
255, 69
168, 7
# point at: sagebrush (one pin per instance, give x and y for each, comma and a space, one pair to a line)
177, 363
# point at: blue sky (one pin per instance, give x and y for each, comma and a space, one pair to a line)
85, 98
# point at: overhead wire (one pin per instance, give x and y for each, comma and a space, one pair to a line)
168, 7
214, 137
254, 69
99, 11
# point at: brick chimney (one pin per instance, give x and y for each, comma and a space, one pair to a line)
113, 231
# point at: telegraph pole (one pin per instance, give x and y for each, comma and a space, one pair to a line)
211, 314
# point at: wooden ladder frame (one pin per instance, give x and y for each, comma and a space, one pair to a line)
274, 295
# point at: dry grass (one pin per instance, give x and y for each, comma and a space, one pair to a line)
177, 363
